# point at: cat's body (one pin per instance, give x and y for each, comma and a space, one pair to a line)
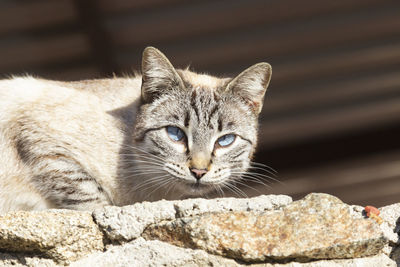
82, 145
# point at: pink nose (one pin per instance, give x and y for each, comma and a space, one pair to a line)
198, 173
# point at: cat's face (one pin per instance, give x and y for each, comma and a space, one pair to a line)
195, 132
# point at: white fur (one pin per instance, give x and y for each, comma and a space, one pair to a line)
79, 117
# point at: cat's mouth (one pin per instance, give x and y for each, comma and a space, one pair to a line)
196, 188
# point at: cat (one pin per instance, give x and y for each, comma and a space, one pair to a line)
166, 134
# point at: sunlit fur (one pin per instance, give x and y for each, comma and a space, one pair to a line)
81, 145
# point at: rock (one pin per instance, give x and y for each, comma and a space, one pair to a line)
152, 253
391, 217
268, 231
18, 259
199, 206
395, 255
380, 260
61, 235
155, 253
123, 224
319, 226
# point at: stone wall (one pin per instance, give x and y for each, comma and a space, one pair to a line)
319, 230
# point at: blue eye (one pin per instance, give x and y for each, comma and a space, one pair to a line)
226, 140
175, 133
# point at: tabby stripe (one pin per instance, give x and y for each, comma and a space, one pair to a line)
187, 119
156, 144
251, 143
156, 153
236, 161
174, 171
66, 189
193, 104
216, 97
77, 201
219, 124
150, 130
239, 154
196, 111
75, 176
214, 109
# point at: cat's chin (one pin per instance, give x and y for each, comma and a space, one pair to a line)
192, 190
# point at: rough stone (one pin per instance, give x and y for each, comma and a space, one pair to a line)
19, 259
266, 231
199, 206
152, 253
391, 222
319, 226
155, 253
61, 235
123, 224
380, 260
395, 255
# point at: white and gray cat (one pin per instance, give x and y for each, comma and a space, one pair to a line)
169, 134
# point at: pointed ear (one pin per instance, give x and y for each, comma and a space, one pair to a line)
252, 84
158, 74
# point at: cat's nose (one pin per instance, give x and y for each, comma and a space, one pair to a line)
198, 173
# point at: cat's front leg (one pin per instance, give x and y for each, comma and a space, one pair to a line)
66, 184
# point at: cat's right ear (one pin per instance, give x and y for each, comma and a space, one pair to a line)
158, 75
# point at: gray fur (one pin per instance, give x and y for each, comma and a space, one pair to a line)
86, 144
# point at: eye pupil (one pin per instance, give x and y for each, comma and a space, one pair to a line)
226, 140
175, 133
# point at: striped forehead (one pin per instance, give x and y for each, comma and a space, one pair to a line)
205, 106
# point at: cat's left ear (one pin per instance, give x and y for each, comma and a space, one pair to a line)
158, 74
252, 84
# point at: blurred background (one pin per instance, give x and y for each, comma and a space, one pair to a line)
331, 120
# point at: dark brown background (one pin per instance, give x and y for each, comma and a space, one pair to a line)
331, 121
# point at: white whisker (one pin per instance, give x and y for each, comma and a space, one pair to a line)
263, 165
149, 181
146, 152
235, 189
139, 156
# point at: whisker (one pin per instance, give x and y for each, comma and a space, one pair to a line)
265, 177
144, 168
263, 165
262, 169
255, 180
236, 190
149, 181
160, 185
258, 175
131, 170
230, 189
134, 155
248, 186
141, 174
222, 191
144, 151
147, 162
172, 183
217, 189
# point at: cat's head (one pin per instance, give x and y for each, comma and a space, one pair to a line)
194, 132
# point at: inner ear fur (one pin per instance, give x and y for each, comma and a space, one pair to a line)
158, 74
252, 84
